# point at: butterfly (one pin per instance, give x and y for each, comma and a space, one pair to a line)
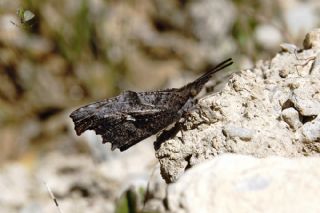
130, 117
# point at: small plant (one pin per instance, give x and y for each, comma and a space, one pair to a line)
26, 17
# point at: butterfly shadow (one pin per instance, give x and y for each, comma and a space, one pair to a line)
167, 134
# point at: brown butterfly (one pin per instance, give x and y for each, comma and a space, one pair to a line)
130, 117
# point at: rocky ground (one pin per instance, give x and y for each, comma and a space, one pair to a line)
242, 183
270, 110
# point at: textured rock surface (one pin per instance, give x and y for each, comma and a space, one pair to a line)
75, 180
236, 183
272, 109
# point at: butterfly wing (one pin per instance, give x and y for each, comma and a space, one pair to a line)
131, 117
126, 119
133, 127
86, 117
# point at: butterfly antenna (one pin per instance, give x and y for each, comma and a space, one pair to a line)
217, 68
197, 85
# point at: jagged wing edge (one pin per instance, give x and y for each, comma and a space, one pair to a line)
84, 119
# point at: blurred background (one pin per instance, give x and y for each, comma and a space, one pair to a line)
58, 55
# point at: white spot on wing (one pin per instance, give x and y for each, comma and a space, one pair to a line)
130, 118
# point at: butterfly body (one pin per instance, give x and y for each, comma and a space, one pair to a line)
130, 117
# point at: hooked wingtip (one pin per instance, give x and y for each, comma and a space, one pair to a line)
77, 122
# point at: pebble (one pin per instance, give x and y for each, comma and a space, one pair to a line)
311, 131
312, 39
234, 131
291, 117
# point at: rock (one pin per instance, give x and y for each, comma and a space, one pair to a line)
36, 46
286, 47
291, 117
263, 111
210, 23
243, 133
10, 33
61, 174
304, 95
236, 183
311, 131
312, 39
129, 168
298, 17
268, 36
16, 185
75, 179
204, 15
156, 193
307, 107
